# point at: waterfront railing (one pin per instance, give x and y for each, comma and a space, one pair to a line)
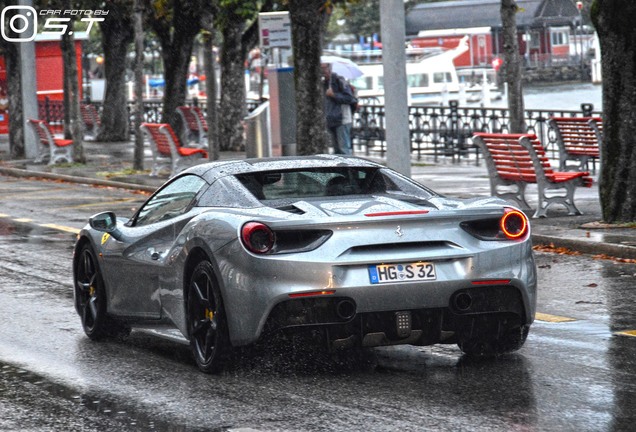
435, 131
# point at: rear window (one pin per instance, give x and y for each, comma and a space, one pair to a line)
292, 185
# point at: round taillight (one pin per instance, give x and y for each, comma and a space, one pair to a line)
257, 237
514, 224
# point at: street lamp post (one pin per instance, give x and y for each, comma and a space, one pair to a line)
579, 6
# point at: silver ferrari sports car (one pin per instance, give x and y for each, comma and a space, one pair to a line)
230, 252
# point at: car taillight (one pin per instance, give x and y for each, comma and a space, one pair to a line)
257, 237
513, 224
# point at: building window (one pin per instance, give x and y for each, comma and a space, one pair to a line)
559, 38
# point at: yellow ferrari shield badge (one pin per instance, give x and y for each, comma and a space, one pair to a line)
105, 238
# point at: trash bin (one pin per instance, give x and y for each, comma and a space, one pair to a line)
258, 143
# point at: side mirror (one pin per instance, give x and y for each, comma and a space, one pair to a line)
104, 222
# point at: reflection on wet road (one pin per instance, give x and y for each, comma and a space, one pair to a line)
571, 375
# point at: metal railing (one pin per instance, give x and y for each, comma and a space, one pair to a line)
437, 131
446, 131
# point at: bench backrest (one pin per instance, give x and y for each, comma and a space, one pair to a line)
90, 117
189, 117
199, 113
597, 126
42, 130
509, 159
575, 133
161, 134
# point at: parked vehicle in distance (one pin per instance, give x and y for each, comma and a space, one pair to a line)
230, 252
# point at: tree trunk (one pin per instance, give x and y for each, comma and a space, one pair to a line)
307, 22
232, 90
211, 90
176, 37
117, 34
138, 162
614, 22
72, 121
14, 95
176, 60
512, 65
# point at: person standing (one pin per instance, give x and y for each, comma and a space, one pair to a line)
338, 98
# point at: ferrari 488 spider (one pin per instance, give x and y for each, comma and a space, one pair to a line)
230, 252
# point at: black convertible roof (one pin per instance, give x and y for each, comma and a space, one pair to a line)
214, 170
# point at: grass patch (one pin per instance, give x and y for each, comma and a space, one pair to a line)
122, 173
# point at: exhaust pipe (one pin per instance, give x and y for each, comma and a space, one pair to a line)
345, 309
463, 302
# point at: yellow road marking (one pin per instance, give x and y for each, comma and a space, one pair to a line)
96, 204
627, 333
61, 228
22, 220
31, 192
552, 318
2, 215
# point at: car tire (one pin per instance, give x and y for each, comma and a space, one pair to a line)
509, 342
207, 323
90, 298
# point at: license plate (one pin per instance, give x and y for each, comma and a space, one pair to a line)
411, 272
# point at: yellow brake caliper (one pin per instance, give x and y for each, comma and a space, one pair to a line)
209, 314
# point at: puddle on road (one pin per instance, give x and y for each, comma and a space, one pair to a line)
31, 233
109, 410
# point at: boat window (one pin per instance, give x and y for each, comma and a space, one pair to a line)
380, 83
442, 77
363, 83
418, 80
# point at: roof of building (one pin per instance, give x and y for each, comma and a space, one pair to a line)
487, 13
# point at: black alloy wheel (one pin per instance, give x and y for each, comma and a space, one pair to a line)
207, 326
90, 295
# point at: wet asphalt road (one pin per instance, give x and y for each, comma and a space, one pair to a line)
577, 375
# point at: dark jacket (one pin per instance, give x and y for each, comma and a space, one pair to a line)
342, 96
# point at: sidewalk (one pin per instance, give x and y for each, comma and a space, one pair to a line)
110, 164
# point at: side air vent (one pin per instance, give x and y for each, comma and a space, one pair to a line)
291, 209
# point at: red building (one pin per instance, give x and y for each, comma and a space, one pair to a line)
544, 28
49, 73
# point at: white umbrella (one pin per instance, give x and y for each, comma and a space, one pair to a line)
342, 66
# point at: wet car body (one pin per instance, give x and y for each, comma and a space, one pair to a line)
230, 251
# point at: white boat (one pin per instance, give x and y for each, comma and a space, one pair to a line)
432, 80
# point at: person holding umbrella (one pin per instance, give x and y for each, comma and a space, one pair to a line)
338, 100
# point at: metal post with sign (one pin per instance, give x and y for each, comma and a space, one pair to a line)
275, 35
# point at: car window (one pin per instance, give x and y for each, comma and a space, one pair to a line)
173, 200
290, 185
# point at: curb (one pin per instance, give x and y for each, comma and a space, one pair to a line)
586, 247
16, 172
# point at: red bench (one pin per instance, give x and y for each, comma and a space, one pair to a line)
51, 148
167, 150
195, 127
516, 160
577, 141
90, 118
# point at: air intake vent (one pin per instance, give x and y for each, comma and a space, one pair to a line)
291, 209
